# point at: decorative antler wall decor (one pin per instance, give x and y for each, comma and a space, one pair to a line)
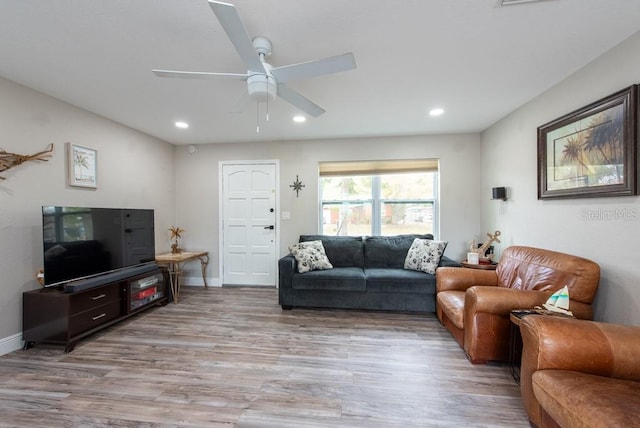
9, 160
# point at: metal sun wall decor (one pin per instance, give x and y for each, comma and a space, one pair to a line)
297, 185
9, 160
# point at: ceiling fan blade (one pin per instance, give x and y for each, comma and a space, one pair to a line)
297, 100
199, 75
232, 25
303, 70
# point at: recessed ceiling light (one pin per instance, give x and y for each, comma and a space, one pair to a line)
436, 112
182, 125
299, 119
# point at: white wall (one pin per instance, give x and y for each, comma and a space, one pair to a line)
509, 158
197, 185
134, 171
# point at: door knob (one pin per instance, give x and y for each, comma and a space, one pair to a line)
270, 227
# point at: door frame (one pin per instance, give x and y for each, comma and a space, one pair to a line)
221, 164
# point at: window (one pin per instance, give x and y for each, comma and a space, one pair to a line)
378, 198
67, 224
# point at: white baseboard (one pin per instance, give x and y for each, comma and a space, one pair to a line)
196, 281
11, 343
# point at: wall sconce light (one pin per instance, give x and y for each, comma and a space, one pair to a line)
297, 185
499, 193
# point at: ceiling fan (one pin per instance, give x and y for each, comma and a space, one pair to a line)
264, 82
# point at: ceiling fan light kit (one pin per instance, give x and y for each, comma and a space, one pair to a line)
262, 87
264, 82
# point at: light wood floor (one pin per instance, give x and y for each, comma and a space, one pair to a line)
231, 357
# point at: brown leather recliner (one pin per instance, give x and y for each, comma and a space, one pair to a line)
579, 373
475, 304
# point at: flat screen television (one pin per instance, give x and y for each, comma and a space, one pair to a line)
80, 243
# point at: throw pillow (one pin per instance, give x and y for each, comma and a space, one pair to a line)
413, 260
310, 256
424, 255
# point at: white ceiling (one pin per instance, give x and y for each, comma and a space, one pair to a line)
475, 59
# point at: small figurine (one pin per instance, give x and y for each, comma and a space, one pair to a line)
485, 246
176, 234
559, 302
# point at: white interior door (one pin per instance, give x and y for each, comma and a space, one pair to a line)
249, 224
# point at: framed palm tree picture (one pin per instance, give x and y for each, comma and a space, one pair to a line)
82, 165
592, 151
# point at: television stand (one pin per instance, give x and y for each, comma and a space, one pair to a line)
60, 316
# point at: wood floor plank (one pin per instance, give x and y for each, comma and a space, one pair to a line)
230, 357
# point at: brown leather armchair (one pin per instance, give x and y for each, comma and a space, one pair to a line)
475, 304
579, 373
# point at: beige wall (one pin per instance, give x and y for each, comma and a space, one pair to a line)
509, 159
134, 171
138, 171
197, 185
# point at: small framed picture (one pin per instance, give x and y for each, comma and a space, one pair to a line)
82, 165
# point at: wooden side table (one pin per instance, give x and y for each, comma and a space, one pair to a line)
483, 266
175, 262
515, 343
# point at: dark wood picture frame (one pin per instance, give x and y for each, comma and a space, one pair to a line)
591, 152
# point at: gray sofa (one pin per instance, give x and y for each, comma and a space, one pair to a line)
368, 273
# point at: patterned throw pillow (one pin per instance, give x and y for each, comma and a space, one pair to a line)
424, 255
310, 256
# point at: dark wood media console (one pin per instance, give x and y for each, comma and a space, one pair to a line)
53, 315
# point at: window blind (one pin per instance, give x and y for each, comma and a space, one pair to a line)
375, 167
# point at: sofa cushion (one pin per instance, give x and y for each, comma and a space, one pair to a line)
529, 268
579, 399
342, 251
451, 303
399, 280
424, 255
310, 256
388, 251
339, 278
